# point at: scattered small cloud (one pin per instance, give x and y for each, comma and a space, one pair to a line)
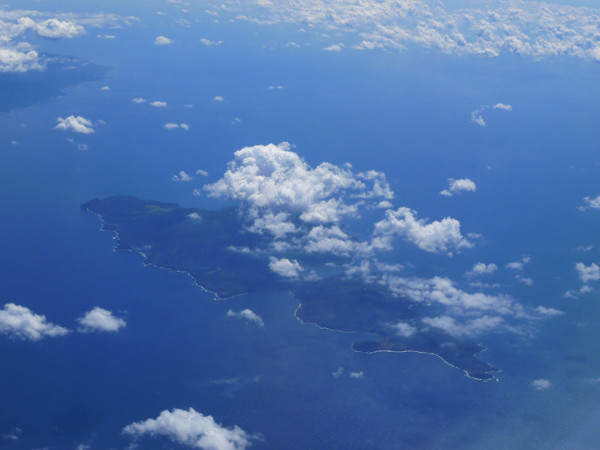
218, 98
503, 107
105, 88
590, 203
541, 384
99, 319
403, 329
174, 126
210, 43
202, 172
20, 322
338, 373
192, 429
162, 40
194, 216
480, 269
357, 375
277, 87
518, 265
458, 186
548, 312
158, 104
588, 273
106, 36
182, 176
477, 118
138, 100
77, 124
246, 314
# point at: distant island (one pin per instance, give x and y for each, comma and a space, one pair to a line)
204, 244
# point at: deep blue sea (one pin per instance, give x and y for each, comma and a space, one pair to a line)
407, 114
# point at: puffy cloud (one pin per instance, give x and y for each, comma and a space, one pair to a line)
246, 314
482, 269
541, 384
138, 100
192, 429
276, 224
218, 98
182, 176
210, 43
590, 203
436, 237
458, 186
277, 87
503, 107
271, 178
105, 88
106, 36
443, 292
58, 29
588, 273
403, 329
20, 322
13, 60
158, 104
357, 375
202, 172
471, 327
284, 267
162, 40
99, 319
76, 124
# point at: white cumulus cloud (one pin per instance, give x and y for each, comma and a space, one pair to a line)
588, 273
158, 104
541, 384
210, 43
246, 314
192, 429
482, 269
285, 267
503, 107
162, 40
100, 319
436, 237
20, 322
77, 124
458, 186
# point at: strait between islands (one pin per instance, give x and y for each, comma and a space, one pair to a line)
201, 242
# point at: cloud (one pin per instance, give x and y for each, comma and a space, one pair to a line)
194, 216
471, 327
357, 375
502, 106
588, 273
99, 319
182, 176
518, 265
526, 28
403, 329
158, 104
76, 124
106, 36
20, 322
218, 98
334, 48
57, 29
202, 172
271, 179
482, 269
591, 203
138, 100
162, 40
210, 43
548, 312
175, 126
436, 237
541, 384
277, 87
477, 118
284, 267
458, 186
13, 60
338, 373
192, 429
247, 314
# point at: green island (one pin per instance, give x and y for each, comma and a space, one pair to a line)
205, 244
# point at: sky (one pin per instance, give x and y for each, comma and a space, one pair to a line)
443, 150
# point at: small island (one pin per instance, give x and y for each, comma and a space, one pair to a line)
206, 245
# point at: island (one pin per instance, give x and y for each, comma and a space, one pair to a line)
213, 248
